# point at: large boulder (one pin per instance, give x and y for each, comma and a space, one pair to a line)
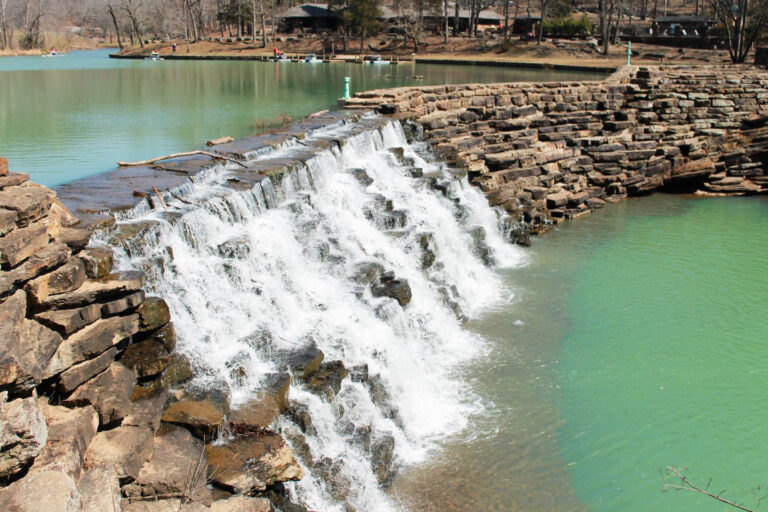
126, 449
268, 403
178, 468
49, 491
147, 409
100, 490
109, 393
26, 346
70, 432
147, 358
154, 313
23, 433
251, 463
302, 362
397, 289
327, 379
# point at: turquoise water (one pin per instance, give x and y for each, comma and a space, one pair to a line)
634, 339
71, 116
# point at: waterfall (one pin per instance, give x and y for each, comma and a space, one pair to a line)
279, 258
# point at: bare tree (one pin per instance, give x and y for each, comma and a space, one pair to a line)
4, 25
744, 22
131, 8
111, 12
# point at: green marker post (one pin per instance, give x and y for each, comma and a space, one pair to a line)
629, 51
346, 87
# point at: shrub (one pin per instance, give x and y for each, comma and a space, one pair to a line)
568, 27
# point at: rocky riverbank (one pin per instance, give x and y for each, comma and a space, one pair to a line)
554, 151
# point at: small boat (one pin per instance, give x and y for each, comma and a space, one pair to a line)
311, 57
281, 58
155, 55
52, 53
376, 59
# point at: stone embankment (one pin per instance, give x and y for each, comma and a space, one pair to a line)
87, 421
553, 151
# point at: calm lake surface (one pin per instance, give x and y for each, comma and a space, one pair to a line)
71, 116
636, 339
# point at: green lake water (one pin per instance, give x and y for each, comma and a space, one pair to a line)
71, 116
636, 339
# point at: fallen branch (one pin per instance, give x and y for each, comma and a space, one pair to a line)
687, 485
176, 155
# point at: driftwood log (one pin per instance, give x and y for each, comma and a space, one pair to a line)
176, 155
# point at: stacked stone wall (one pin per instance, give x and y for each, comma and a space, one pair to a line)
552, 151
93, 416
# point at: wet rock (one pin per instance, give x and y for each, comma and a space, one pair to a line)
122, 304
29, 202
327, 380
204, 418
67, 321
359, 373
380, 396
178, 468
338, 485
49, 491
250, 464
397, 289
109, 393
179, 371
382, 451
23, 433
242, 504
99, 490
361, 176
368, 273
300, 415
426, 242
20, 244
126, 449
70, 432
269, 401
299, 445
236, 248
98, 262
153, 314
302, 362
147, 358
146, 409
91, 341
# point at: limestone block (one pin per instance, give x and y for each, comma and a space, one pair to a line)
51, 491
64, 279
12, 179
47, 258
204, 418
91, 341
153, 313
67, 321
79, 373
147, 358
26, 347
250, 464
76, 239
178, 467
29, 203
70, 432
269, 401
7, 220
107, 288
23, 433
3, 166
108, 392
100, 490
20, 244
147, 410
126, 449
98, 261
171, 505
123, 304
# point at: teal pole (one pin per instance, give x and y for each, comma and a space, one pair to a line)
346, 88
629, 51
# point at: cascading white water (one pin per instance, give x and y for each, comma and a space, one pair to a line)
280, 259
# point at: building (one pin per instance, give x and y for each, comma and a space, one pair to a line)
683, 26
311, 17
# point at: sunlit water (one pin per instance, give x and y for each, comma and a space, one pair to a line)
75, 115
636, 339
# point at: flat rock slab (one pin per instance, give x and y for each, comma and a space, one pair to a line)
172, 505
91, 341
108, 288
29, 203
242, 504
126, 449
20, 244
70, 379
49, 491
67, 321
67, 278
204, 418
45, 259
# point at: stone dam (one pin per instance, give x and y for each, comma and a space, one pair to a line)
199, 335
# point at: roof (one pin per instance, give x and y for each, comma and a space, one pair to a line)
309, 11
528, 17
684, 19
